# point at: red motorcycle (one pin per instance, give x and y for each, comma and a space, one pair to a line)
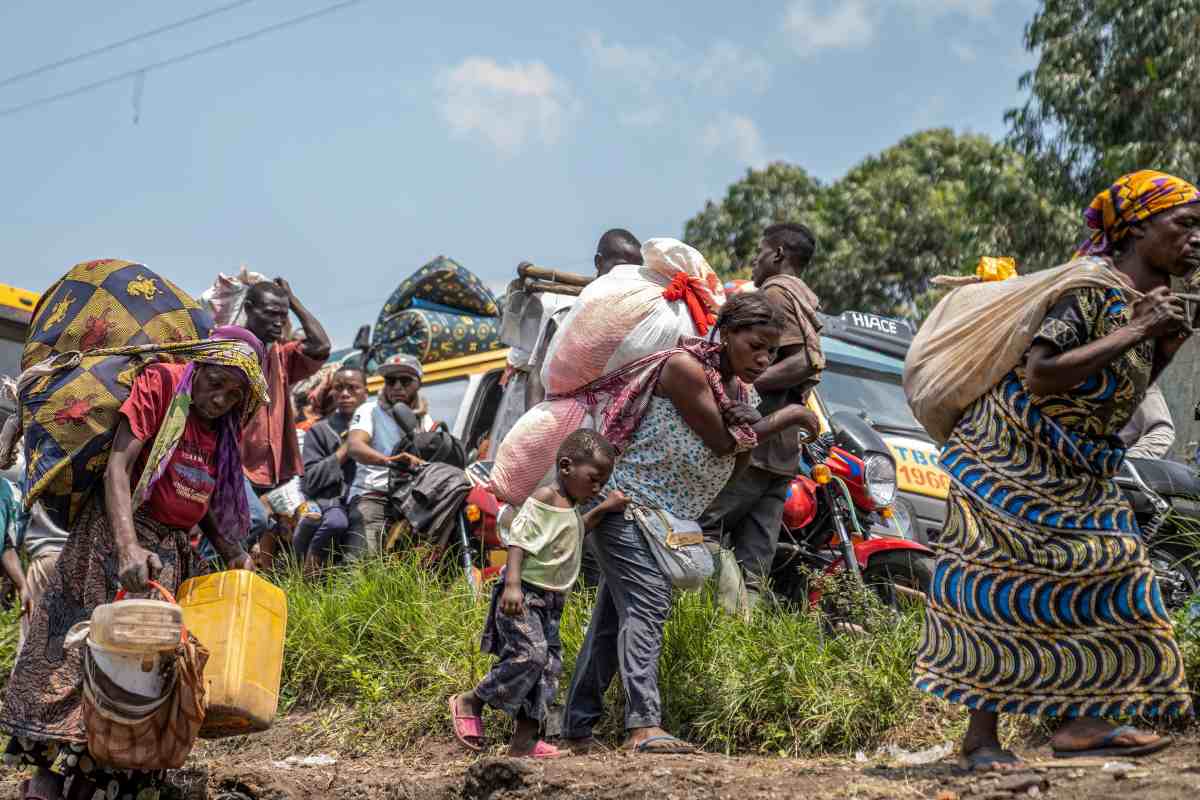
837, 519
478, 523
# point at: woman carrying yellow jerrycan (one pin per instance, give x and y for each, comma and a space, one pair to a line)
174, 463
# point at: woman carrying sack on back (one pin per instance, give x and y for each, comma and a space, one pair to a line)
681, 419
1043, 601
174, 464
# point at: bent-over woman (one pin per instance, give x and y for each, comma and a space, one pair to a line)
1043, 601
174, 464
679, 457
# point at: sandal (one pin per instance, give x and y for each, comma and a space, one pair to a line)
986, 759
664, 746
1108, 749
544, 750
466, 727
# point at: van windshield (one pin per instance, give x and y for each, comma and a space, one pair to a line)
10, 357
444, 399
862, 381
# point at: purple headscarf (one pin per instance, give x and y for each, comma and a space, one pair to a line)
236, 333
229, 505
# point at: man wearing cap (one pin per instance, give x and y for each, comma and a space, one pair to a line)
374, 433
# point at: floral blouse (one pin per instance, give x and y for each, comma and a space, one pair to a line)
667, 465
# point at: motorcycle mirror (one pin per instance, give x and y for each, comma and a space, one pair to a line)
855, 434
362, 339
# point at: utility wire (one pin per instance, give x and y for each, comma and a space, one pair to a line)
177, 59
110, 47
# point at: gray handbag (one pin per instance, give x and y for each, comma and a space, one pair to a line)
677, 545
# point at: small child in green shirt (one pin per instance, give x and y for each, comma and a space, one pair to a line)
545, 548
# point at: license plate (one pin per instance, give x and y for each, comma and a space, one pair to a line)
923, 478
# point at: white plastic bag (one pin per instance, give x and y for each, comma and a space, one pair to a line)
286, 500
623, 316
979, 332
616, 320
227, 295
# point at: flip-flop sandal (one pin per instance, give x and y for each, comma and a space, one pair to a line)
664, 746
466, 727
543, 750
1107, 748
985, 759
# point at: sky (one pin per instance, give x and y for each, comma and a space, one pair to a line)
347, 150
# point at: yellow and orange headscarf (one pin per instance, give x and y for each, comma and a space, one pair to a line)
1134, 198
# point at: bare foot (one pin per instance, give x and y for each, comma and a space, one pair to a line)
990, 758
1087, 733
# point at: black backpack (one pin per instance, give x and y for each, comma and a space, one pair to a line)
436, 446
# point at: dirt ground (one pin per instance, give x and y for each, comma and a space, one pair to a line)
255, 768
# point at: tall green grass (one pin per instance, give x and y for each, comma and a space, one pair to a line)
393, 635
375, 651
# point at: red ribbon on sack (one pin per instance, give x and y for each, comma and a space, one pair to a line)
692, 291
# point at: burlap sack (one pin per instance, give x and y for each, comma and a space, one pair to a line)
979, 332
152, 737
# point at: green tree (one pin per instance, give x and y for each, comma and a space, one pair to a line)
728, 233
932, 205
1114, 91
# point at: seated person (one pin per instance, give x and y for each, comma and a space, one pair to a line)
1150, 432
329, 472
375, 431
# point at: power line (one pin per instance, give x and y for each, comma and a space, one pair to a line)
110, 47
177, 59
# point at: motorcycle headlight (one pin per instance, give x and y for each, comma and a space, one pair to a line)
881, 479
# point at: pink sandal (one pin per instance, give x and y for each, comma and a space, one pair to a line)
466, 727
543, 750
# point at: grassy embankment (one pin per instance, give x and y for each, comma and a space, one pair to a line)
379, 649
396, 640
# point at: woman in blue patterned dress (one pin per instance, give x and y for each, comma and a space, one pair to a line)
1043, 601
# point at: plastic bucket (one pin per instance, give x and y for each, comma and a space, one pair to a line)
136, 673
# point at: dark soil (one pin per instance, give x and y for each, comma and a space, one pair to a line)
254, 768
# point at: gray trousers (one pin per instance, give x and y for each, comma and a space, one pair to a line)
367, 526
625, 634
746, 517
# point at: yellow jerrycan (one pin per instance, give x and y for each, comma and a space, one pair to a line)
241, 619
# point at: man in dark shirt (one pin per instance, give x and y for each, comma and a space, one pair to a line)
748, 512
329, 471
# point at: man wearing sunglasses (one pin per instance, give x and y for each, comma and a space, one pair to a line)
377, 427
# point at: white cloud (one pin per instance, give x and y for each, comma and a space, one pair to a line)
721, 69
506, 105
736, 135
964, 52
726, 67
640, 66
815, 26
978, 9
